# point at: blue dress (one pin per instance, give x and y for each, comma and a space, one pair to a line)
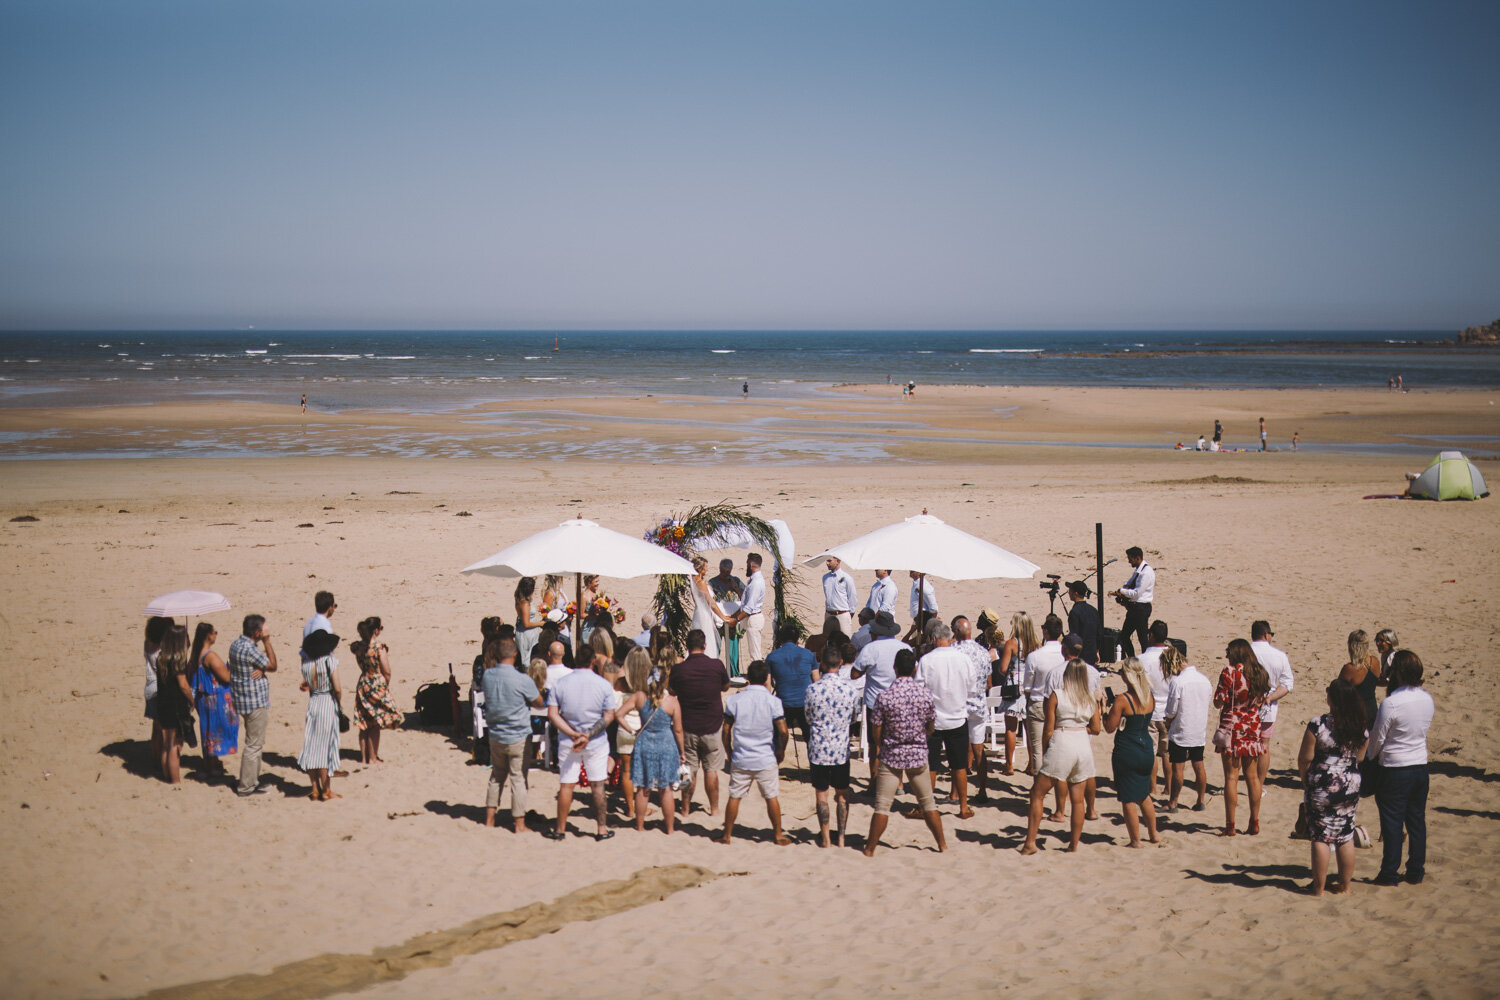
217, 719
656, 763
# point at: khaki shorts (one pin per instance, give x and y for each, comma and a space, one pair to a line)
741, 778
1160, 727
889, 780
705, 751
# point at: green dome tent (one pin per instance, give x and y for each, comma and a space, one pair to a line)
1449, 477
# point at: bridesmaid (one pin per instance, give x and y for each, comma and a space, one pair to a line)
528, 622
218, 722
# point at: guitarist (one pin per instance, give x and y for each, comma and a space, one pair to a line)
1135, 597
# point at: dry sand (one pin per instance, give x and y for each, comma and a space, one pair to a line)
118, 885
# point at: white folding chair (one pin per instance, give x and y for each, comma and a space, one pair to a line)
994, 722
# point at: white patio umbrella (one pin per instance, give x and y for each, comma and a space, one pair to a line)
187, 603
929, 546
582, 547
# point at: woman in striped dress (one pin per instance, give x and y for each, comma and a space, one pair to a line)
320, 736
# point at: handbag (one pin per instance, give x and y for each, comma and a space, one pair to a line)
1362, 838
1370, 773
1223, 735
343, 721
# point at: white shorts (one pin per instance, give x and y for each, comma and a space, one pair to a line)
976, 729
593, 759
740, 780
1069, 758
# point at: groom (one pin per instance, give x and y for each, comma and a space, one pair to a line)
752, 608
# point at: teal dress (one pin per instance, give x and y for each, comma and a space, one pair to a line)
655, 762
1132, 756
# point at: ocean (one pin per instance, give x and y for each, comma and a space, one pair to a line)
433, 371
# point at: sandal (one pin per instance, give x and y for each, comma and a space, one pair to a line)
604, 836
552, 834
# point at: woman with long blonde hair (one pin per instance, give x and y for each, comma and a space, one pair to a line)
1010, 667
1072, 715
1363, 669
1130, 720
633, 677
657, 759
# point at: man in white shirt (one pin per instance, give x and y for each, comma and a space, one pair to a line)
644, 638
925, 600
876, 663
1138, 593
980, 660
1044, 669
1151, 663
882, 593
949, 675
1398, 740
1189, 696
752, 608
325, 606
1279, 671
840, 596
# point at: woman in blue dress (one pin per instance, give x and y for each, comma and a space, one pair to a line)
217, 720
657, 758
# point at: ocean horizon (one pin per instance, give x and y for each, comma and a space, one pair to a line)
422, 371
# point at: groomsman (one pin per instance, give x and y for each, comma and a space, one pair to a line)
839, 595
752, 608
882, 593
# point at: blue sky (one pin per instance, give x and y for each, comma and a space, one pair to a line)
842, 164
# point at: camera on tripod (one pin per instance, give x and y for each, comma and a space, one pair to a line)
1052, 585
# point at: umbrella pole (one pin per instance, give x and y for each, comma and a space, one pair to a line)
577, 615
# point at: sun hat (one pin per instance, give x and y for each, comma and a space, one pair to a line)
319, 644
885, 625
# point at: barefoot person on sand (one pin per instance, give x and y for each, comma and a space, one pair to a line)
174, 701
373, 708
320, 733
657, 756
1328, 765
1134, 754
755, 731
831, 703
1189, 695
900, 722
1072, 716
1242, 689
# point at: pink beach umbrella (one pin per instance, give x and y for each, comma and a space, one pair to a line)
187, 603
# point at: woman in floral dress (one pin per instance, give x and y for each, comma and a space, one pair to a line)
1241, 692
373, 707
1329, 766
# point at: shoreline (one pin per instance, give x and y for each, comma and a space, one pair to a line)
848, 423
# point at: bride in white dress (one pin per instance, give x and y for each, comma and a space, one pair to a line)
706, 613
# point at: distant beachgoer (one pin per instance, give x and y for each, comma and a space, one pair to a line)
911, 389
304, 402
1262, 433
746, 390
1294, 440
1400, 382
1390, 383
1202, 443
1218, 433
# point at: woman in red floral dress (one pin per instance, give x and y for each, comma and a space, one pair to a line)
1241, 692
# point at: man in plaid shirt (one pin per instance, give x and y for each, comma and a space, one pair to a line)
250, 659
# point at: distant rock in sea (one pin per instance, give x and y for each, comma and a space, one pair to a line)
1480, 334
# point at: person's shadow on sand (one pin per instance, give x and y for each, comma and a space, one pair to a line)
1255, 876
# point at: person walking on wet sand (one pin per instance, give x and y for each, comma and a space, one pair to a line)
1262, 433
1218, 434
755, 730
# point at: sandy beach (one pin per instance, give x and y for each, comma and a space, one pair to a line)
119, 885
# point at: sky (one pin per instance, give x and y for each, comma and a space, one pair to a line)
710, 164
